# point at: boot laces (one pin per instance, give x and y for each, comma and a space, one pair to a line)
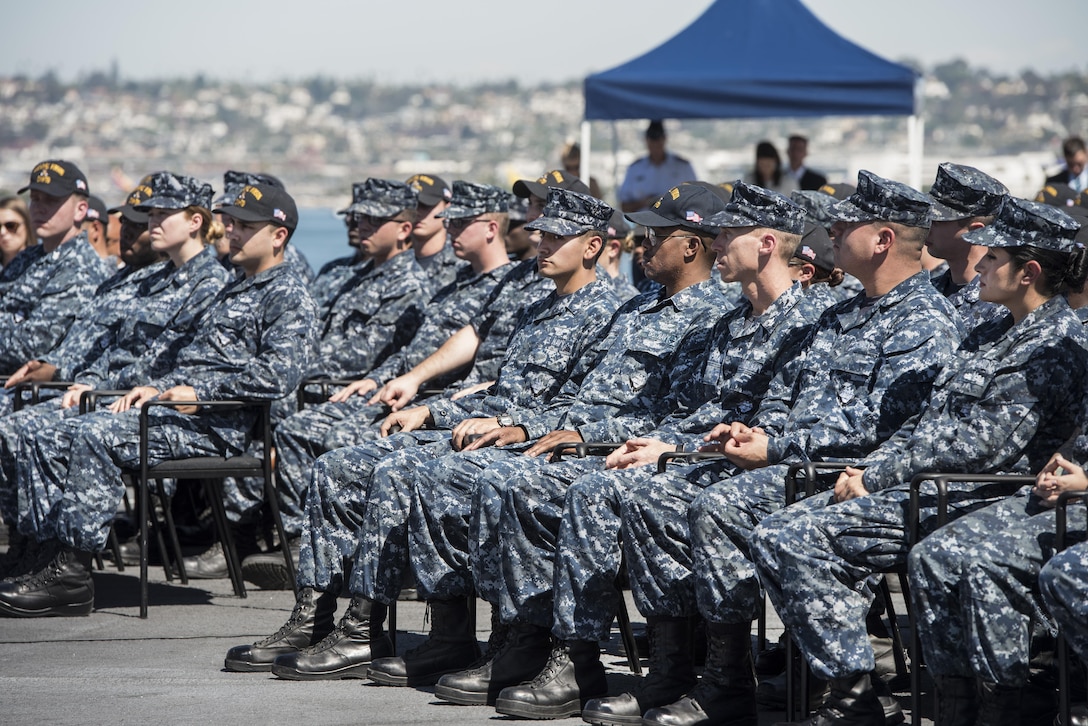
557, 660
296, 618
496, 642
212, 552
338, 633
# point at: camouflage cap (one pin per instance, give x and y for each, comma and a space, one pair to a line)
557, 178
885, 200
617, 226
139, 194
96, 210
57, 178
381, 198
960, 192
430, 189
263, 203
568, 213
754, 206
233, 181
817, 205
688, 205
472, 200
176, 191
1058, 195
1021, 223
815, 247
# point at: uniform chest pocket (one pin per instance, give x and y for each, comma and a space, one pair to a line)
851, 380
547, 366
971, 383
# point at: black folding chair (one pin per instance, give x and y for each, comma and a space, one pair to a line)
1063, 646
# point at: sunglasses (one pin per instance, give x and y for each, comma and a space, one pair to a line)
11, 227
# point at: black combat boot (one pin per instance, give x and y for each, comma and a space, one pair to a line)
451, 646
671, 675
726, 693
998, 705
17, 545
211, 564
61, 586
346, 652
515, 655
310, 622
851, 702
572, 676
957, 701
268, 570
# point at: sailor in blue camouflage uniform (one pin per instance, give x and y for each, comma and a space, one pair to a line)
478, 219
233, 182
964, 200
44, 289
817, 205
813, 264
334, 273
1012, 394
867, 368
88, 337
140, 340
430, 241
614, 394
252, 344
357, 502
377, 310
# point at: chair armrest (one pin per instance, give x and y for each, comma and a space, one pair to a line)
323, 383
810, 469
264, 407
88, 400
35, 388
582, 449
941, 480
689, 457
1060, 524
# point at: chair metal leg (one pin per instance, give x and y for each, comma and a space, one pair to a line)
142, 494
391, 617
172, 530
271, 497
115, 547
215, 500
627, 635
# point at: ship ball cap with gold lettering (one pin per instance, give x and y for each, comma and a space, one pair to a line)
263, 203
57, 178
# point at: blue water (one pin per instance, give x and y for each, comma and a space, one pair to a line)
321, 236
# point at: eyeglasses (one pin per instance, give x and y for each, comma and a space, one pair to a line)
461, 223
653, 240
357, 219
11, 227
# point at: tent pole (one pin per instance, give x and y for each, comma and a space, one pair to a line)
584, 168
915, 140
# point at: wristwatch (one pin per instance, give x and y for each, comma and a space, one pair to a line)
506, 420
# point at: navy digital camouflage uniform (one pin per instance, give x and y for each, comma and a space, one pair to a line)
38, 306
975, 585
375, 313
617, 396
253, 343
332, 276
300, 438
140, 345
554, 334
1062, 581
440, 268
1008, 400
1006, 403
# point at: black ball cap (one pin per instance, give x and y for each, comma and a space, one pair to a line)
263, 203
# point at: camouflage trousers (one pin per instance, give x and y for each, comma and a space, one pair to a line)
656, 538
336, 503
1062, 581
974, 584
69, 473
814, 559
24, 422
306, 435
513, 535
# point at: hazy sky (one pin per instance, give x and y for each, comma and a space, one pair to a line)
472, 40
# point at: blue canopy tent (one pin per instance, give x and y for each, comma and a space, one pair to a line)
753, 59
